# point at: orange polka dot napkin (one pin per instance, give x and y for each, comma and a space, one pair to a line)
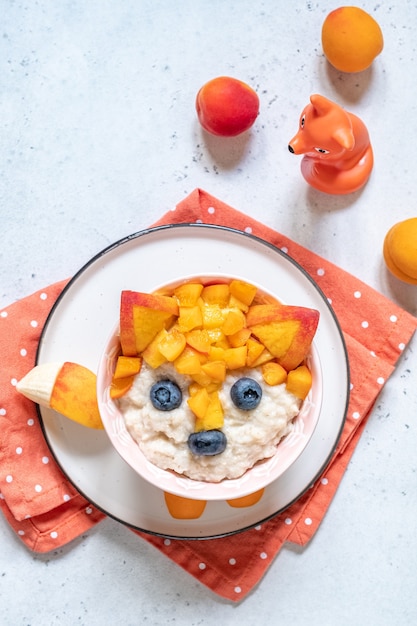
45, 510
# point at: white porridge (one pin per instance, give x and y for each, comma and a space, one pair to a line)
252, 435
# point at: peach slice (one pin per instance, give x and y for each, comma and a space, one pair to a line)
184, 508
68, 388
142, 316
286, 331
248, 500
74, 395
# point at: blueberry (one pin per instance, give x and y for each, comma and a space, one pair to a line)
165, 395
246, 394
207, 442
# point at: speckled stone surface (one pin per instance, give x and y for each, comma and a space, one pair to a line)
99, 137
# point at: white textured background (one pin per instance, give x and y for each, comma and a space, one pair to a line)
98, 137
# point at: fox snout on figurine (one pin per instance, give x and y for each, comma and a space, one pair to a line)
338, 157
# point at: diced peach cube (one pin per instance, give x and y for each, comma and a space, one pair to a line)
240, 338
216, 335
216, 294
245, 292
213, 316
299, 381
172, 344
127, 366
235, 357
273, 373
190, 317
188, 293
203, 379
120, 386
214, 416
223, 343
255, 349
215, 369
199, 402
234, 322
194, 387
216, 353
199, 339
152, 355
264, 357
189, 362
235, 303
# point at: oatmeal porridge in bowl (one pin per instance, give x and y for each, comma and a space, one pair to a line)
210, 388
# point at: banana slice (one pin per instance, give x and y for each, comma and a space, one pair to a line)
39, 382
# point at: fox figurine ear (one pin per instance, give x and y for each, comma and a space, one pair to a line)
321, 104
343, 133
344, 137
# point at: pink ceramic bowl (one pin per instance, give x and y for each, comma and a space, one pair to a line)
254, 479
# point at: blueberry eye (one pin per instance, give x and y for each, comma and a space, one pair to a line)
207, 442
246, 394
165, 395
303, 121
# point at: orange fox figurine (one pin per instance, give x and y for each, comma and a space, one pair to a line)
338, 153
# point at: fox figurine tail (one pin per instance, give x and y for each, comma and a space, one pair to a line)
338, 157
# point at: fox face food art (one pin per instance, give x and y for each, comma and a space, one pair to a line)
209, 376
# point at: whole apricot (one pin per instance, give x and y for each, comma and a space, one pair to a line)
226, 106
400, 250
351, 39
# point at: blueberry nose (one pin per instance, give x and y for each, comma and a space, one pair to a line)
290, 148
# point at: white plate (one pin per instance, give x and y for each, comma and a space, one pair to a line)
79, 326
